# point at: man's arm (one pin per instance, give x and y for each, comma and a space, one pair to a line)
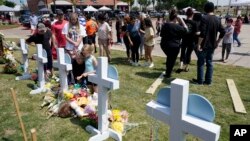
203, 28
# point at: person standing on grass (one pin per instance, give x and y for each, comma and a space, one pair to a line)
237, 28
149, 42
43, 36
58, 39
134, 39
227, 40
188, 41
91, 29
125, 37
209, 27
118, 26
104, 37
73, 32
142, 32
171, 34
33, 23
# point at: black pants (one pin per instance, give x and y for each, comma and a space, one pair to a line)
48, 65
135, 48
171, 53
186, 52
128, 48
118, 36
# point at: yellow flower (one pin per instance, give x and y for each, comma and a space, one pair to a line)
116, 115
117, 126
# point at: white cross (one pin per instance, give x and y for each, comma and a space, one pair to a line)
24, 50
104, 83
175, 115
41, 59
64, 65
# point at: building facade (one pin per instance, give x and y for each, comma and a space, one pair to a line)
34, 5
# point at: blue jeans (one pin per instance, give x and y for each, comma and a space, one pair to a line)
205, 56
235, 37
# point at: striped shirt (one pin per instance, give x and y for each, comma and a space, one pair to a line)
82, 21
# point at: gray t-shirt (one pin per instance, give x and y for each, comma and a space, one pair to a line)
228, 38
33, 20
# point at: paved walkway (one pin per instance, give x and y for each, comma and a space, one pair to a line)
239, 57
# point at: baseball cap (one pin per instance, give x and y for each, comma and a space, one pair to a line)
41, 27
59, 12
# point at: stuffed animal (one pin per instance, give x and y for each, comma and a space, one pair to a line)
64, 110
48, 99
79, 111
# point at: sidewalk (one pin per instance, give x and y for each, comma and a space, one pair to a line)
239, 57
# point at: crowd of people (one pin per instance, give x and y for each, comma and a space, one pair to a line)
78, 36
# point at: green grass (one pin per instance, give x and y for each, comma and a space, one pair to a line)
131, 96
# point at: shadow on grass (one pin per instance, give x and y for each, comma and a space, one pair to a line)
119, 61
83, 123
148, 74
6, 139
31, 86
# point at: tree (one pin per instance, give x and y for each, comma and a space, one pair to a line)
144, 3
9, 3
153, 2
197, 4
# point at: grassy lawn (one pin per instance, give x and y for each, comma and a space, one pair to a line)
2, 27
134, 81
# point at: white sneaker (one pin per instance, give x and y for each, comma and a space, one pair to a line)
151, 65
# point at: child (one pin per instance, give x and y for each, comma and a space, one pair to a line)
78, 67
227, 40
149, 42
90, 66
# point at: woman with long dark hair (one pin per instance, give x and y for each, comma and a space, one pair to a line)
171, 34
134, 39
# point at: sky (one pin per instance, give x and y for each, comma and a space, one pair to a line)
220, 2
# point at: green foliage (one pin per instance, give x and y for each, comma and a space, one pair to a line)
9, 3
197, 4
135, 8
2, 2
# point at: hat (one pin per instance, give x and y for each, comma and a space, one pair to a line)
59, 12
41, 27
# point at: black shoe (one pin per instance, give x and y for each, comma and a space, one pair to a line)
195, 81
207, 83
167, 75
239, 45
179, 70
